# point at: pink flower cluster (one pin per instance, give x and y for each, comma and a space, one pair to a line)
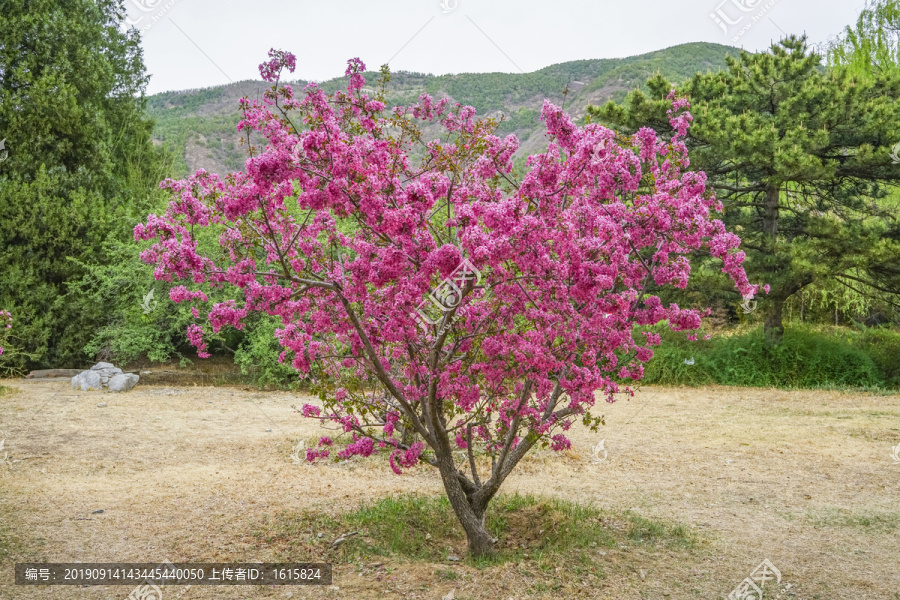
311, 411
361, 446
312, 454
270, 71
315, 453
340, 230
406, 459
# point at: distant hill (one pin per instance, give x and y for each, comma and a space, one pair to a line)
200, 125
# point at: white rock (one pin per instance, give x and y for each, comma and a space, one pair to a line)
90, 380
102, 365
123, 382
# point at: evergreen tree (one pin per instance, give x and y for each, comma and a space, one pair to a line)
800, 157
80, 166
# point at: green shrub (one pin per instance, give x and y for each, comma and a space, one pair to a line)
668, 367
807, 358
258, 355
883, 346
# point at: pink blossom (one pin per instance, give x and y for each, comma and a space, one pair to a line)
312, 454
271, 70
195, 337
405, 459
560, 443
311, 411
361, 447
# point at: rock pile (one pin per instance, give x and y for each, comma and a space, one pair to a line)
104, 375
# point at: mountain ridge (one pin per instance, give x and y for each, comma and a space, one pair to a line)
199, 125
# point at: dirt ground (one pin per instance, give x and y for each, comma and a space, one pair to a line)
803, 479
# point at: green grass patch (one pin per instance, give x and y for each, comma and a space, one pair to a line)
649, 532
876, 522
9, 542
417, 528
12, 544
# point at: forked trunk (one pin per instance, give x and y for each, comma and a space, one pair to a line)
472, 518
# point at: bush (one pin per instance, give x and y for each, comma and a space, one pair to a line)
258, 355
883, 346
667, 367
132, 324
806, 358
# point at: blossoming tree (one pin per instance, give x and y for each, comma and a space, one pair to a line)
430, 291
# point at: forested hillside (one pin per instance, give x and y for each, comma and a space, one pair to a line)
200, 125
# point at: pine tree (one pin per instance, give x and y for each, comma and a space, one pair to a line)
800, 157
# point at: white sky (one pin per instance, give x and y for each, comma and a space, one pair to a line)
223, 40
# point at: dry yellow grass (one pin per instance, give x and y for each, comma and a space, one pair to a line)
804, 479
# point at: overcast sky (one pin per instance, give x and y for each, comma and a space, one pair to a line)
202, 43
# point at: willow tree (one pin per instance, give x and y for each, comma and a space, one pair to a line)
872, 45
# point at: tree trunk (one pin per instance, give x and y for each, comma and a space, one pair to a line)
481, 544
774, 327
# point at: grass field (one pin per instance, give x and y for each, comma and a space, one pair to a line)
696, 489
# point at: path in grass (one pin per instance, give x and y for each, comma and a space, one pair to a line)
697, 487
